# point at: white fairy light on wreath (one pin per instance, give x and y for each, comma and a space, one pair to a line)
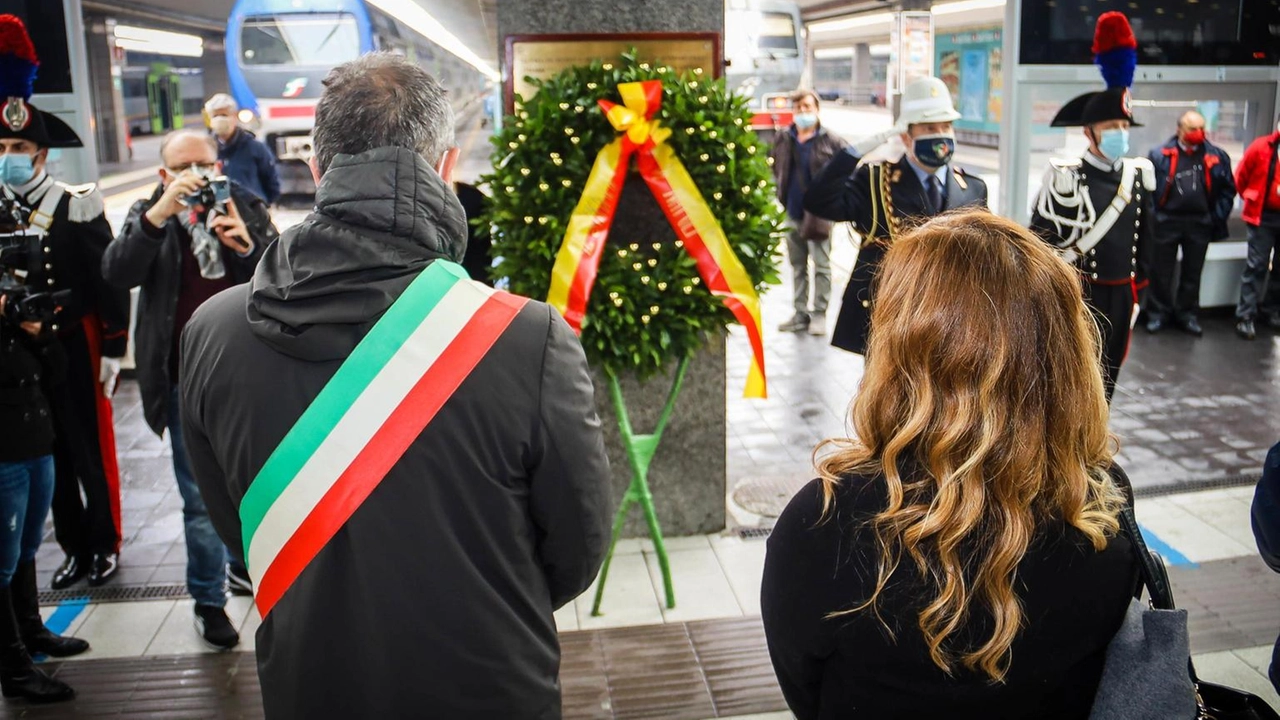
687, 289
511, 188
557, 162
521, 137
578, 108
566, 182
574, 140
644, 66
524, 171
697, 71
702, 99
679, 244
513, 145
637, 267
769, 160
662, 286
717, 195
653, 262
762, 184
635, 247
730, 146
543, 187
564, 106
592, 86
528, 219
696, 281
644, 319
568, 131
617, 302
622, 253
704, 157
742, 216
746, 189
608, 66
653, 309
693, 84
720, 168
657, 246
543, 220
689, 131
737, 121
752, 150
713, 135
645, 279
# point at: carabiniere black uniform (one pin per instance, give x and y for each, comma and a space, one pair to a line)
1098, 214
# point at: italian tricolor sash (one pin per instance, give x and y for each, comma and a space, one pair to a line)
361, 423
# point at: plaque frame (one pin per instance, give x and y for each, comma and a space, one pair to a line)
714, 61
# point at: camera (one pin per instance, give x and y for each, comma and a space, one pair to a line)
13, 216
21, 305
213, 197
16, 252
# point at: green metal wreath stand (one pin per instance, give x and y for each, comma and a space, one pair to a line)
640, 451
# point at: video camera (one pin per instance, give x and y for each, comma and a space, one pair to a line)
21, 305
13, 216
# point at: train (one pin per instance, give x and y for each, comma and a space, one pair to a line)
765, 56
278, 53
159, 97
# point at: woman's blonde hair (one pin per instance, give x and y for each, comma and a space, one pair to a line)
982, 407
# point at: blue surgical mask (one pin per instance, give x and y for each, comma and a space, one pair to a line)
1114, 143
804, 121
934, 150
16, 169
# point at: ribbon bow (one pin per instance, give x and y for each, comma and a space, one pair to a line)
579, 257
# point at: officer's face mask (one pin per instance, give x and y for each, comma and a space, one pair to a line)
934, 150
1114, 143
16, 169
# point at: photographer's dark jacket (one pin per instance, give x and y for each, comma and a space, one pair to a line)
72, 260
435, 597
156, 263
27, 365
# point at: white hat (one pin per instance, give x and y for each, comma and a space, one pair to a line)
219, 101
926, 100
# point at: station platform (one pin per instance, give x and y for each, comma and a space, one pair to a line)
1194, 418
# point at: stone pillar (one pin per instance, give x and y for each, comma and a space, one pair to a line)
688, 474
213, 66
861, 74
105, 92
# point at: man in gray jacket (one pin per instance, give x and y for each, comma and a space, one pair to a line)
410, 525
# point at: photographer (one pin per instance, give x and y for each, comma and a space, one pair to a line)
29, 359
196, 236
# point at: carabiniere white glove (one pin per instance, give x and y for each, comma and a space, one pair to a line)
108, 374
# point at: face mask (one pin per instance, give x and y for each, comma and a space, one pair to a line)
1194, 137
222, 125
1114, 143
16, 169
934, 150
804, 121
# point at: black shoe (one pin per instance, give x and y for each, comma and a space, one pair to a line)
26, 611
238, 580
1244, 329
104, 568
19, 676
215, 627
1155, 324
1191, 326
69, 573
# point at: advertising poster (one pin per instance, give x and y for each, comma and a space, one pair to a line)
969, 62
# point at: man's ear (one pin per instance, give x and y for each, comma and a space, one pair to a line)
314, 165
447, 164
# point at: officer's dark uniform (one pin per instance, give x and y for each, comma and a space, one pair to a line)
1114, 270
881, 200
92, 323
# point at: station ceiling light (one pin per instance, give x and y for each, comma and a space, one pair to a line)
966, 6
412, 14
159, 42
848, 23
833, 53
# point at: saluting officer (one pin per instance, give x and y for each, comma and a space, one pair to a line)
883, 199
91, 324
1097, 209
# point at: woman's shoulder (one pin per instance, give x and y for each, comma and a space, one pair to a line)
824, 507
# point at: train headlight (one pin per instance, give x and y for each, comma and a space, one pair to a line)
246, 116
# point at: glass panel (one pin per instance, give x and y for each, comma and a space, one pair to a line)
1169, 32
299, 40
778, 32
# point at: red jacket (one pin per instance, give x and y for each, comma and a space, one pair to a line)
1251, 176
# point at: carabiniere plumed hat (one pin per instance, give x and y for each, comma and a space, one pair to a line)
1115, 51
19, 118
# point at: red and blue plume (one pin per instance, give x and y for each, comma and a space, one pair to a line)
18, 60
1115, 49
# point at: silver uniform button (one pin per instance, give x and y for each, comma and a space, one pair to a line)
1135, 236
55, 326
50, 281
47, 266
47, 250
1093, 263
866, 303
1095, 276
1133, 275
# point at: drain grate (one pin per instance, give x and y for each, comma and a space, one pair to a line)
1229, 481
755, 533
115, 593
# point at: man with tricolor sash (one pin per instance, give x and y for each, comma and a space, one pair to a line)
409, 461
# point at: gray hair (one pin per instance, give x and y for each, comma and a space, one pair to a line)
382, 100
219, 101
186, 132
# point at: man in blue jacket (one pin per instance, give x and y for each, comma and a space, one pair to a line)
1194, 195
243, 158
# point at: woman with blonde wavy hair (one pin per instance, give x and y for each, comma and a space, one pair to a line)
959, 556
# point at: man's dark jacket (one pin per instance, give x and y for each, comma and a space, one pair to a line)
435, 598
1219, 182
250, 163
824, 147
135, 259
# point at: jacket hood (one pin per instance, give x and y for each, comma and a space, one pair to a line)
380, 218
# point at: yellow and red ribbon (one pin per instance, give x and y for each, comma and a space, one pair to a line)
584, 241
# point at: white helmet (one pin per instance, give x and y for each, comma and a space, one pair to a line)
926, 100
